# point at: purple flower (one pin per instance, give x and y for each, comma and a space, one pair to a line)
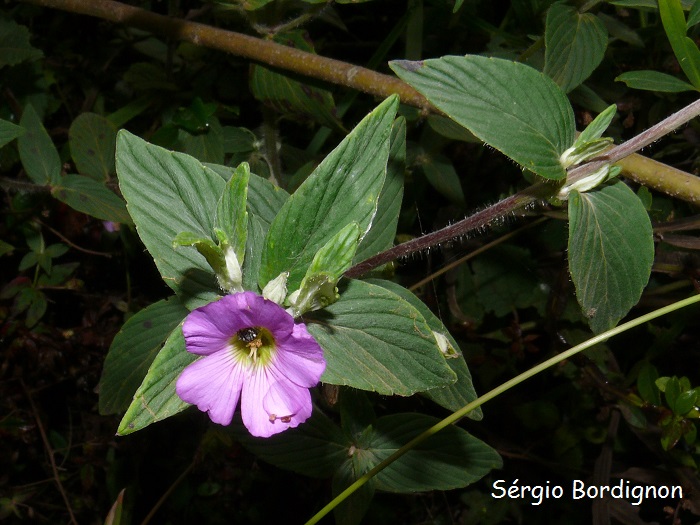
253, 350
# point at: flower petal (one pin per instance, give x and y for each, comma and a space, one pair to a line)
255, 310
214, 384
208, 329
283, 400
274, 392
287, 400
300, 358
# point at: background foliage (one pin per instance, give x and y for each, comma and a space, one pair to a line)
74, 269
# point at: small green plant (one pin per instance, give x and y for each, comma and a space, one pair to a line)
28, 292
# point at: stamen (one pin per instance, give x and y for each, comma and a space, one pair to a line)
283, 419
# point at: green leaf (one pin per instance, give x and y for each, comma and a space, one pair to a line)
35, 240
14, 44
505, 281
36, 150
672, 392
239, 140
264, 198
450, 129
598, 126
352, 510
587, 98
30, 259
510, 106
671, 434
442, 176
257, 231
661, 383
314, 449
334, 258
211, 251
450, 459
133, 350
685, 402
344, 188
207, 145
59, 274
91, 197
24, 298
252, 5
318, 288
114, 517
646, 384
131, 110
5, 248
575, 44
589, 144
263, 203
619, 30
56, 250
290, 94
684, 48
611, 250
454, 396
9, 132
15, 286
168, 193
648, 4
37, 306
381, 236
156, 398
693, 15
92, 140
654, 81
195, 118
231, 214
374, 340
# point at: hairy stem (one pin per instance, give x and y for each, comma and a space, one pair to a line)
648, 172
479, 220
530, 195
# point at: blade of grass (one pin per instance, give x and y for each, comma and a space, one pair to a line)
459, 414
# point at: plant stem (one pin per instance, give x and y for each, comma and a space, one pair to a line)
50, 454
479, 220
478, 251
510, 205
648, 172
644, 171
259, 50
459, 414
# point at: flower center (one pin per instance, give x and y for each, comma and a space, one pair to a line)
253, 345
248, 335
